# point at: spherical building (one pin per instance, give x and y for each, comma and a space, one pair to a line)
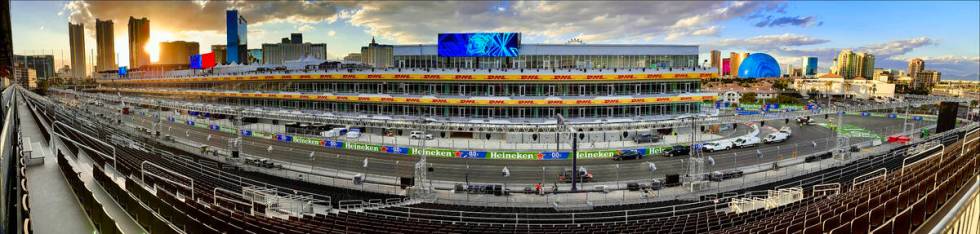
758, 65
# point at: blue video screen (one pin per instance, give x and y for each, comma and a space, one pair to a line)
479, 44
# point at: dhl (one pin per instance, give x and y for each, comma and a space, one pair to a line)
431, 76
680, 75
624, 76
686, 98
593, 77
363, 99
304, 76
557, 102
663, 99
655, 76
463, 77
412, 100
525, 102
496, 77
439, 101
496, 102
635, 100
349, 76
563, 77
402, 76
583, 102
610, 101
374, 76
387, 99
705, 75
529, 77
467, 102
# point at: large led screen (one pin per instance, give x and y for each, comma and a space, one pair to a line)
479, 44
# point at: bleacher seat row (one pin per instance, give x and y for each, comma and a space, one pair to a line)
898, 202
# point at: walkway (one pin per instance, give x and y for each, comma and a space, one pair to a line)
54, 208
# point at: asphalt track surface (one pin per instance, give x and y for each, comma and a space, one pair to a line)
805, 140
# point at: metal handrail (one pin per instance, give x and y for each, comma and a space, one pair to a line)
956, 212
63, 137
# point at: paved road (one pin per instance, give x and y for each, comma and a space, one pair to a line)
489, 171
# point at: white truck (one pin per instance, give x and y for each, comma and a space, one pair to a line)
717, 146
748, 141
780, 136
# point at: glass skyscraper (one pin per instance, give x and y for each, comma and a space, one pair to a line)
237, 47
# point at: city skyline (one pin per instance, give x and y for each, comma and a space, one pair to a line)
787, 31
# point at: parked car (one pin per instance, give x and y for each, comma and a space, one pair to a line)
717, 146
647, 138
776, 137
678, 150
353, 133
335, 132
420, 135
627, 155
746, 142
584, 175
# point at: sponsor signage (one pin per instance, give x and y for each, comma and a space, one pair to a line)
441, 153
364, 147
284, 138
395, 150
479, 44
307, 140
513, 155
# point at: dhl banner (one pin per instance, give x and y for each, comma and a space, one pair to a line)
431, 101
425, 77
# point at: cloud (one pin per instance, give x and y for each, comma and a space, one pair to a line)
766, 42
331, 33
419, 22
202, 15
305, 28
803, 21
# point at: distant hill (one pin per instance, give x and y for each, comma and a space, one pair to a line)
974, 77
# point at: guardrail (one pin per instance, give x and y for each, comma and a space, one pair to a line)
581, 217
285, 115
964, 217
14, 210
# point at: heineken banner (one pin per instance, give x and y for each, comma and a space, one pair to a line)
364, 147
246, 133
307, 140
214, 127
514, 155
441, 153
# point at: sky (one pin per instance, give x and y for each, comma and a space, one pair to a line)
944, 34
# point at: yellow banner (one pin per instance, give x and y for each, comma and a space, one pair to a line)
425, 77
432, 101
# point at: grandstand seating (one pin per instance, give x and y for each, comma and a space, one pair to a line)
899, 202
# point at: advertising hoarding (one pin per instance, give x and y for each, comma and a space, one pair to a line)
479, 44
